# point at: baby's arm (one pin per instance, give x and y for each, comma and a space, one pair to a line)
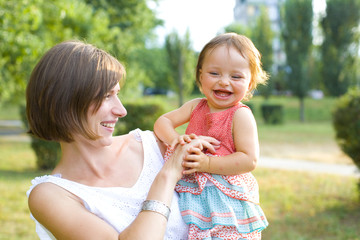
166, 124
242, 161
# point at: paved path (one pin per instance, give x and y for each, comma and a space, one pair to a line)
10, 123
301, 165
15, 133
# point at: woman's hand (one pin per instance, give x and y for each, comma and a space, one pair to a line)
196, 161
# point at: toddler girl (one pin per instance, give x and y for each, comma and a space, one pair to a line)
219, 197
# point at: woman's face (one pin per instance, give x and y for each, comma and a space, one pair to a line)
102, 122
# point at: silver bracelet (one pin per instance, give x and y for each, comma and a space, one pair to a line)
156, 206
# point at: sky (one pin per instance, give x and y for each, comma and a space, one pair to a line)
203, 18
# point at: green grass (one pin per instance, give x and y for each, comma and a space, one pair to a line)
9, 112
297, 133
315, 110
17, 168
304, 206
298, 205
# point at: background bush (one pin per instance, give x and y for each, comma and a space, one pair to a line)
346, 121
272, 114
140, 115
47, 152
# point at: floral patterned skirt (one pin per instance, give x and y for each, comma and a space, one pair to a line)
214, 214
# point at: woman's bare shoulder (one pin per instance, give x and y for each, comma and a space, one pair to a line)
47, 194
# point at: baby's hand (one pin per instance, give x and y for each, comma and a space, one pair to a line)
209, 143
183, 139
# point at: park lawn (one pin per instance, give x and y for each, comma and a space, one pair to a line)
9, 112
312, 141
298, 205
304, 206
315, 110
17, 168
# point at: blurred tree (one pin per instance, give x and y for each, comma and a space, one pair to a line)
154, 62
135, 20
340, 47
19, 45
263, 36
29, 28
181, 62
297, 18
239, 28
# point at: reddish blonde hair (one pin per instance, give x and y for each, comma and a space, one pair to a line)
246, 48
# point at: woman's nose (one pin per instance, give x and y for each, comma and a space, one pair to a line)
119, 109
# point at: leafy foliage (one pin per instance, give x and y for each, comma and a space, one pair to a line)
154, 62
340, 47
47, 153
263, 37
346, 121
272, 114
140, 115
181, 62
29, 28
261, 34
297, 35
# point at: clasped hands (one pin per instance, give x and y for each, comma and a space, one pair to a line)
195, 159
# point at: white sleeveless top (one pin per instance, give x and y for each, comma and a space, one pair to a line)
119, 206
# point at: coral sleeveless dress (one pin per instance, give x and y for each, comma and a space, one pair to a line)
225, 207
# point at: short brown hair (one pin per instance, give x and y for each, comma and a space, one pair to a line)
246, 48
66, 81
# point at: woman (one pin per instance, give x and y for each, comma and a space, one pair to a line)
103, 187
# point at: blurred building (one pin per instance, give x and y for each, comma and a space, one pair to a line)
246, 12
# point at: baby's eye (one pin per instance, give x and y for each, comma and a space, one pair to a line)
237, 77
214, 73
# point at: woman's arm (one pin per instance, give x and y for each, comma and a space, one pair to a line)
162, 189
242, 161
65, 216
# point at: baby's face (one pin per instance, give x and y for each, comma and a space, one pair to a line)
225, 77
